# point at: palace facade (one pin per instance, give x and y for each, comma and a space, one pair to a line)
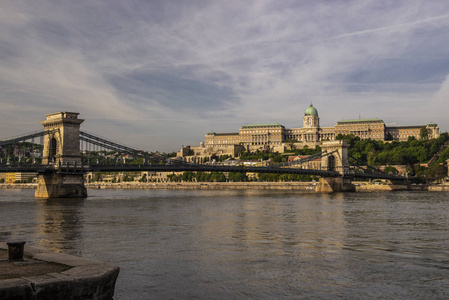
275, 137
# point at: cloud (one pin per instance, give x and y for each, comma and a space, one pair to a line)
166, 72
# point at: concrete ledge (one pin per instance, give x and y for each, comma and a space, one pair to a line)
379, 188
84, 279
439, 188
290, 185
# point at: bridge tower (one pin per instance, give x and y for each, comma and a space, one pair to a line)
337, 161
62, 151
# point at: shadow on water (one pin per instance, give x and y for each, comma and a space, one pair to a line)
60, 224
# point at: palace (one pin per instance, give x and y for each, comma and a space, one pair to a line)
275, 137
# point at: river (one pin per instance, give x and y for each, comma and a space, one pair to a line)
248, 244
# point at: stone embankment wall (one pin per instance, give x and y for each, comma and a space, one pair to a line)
18, 185
439, 188
380, 187
83, 279
305, 186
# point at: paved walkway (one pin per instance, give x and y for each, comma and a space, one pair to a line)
48, 275
27, 267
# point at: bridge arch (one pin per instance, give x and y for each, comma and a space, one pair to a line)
53, 150
331, 163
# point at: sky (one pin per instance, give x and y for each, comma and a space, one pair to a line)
156, 75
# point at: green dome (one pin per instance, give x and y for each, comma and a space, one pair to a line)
311, 111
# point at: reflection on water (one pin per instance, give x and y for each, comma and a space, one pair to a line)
59, 224
248, 244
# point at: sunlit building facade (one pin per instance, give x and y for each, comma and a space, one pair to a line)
275, 136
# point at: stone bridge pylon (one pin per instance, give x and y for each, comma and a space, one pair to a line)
62, 152
337, 160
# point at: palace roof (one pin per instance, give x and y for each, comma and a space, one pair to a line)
375, 120
262, 125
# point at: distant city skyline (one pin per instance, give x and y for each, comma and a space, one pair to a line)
156, 75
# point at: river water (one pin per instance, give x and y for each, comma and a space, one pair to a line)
175, 244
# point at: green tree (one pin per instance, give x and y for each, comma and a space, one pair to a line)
143, 178
423, 133
437, 172
391, 170
291, 143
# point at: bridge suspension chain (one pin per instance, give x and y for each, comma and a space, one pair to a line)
364, 165
28, 136
306, 159
94, 140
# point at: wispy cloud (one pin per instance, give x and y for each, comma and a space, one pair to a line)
159, 74
398, 27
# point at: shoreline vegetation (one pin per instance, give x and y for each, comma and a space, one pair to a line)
299, 186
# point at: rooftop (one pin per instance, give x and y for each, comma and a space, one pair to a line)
224, 133
262, 125
374, 120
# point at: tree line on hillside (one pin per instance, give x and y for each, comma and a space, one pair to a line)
412, 153
235, 177
277, 157
20, 153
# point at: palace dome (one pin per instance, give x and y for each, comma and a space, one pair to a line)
311, 111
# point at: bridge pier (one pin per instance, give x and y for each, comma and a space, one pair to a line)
62, 148
56, 185
335, 184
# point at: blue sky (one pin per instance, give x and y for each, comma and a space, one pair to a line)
156, 75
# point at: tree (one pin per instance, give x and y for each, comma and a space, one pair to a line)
291, 143
223, 157
391, 170
411, 139
424, 133
143, 178
171, 154
437, 172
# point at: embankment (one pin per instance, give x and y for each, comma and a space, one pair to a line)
301, 186
47, 275
304, 186
439, 188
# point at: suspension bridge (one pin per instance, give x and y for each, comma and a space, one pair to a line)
61, 169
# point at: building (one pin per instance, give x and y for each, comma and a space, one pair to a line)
275, 137
26, 176
10, 178
304, 162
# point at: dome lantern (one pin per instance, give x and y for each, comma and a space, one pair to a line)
311, 111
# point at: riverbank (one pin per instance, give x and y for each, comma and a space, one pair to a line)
18, 185
47, 275
439, 188
304, 186
301, 186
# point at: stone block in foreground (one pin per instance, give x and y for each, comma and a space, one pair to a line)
82, 279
